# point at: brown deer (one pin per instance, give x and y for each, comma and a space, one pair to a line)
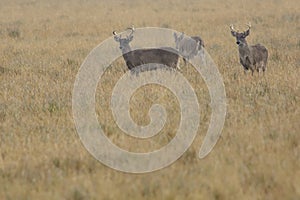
252, 57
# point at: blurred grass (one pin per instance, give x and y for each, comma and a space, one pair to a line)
42, 46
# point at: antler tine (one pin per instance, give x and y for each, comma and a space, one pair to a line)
249, 25
232, 28
115, 33
132, 30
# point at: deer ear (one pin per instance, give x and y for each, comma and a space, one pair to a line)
130, 38
246, 33
117, 39
181, 36
233, 33
201, 44
175, 36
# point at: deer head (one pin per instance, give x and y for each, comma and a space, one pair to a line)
124, 42
178, 39
240, 37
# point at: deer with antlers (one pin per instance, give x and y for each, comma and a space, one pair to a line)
135, 58
253, 57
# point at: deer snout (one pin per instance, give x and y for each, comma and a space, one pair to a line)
238, 42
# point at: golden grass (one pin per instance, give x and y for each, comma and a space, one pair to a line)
43, 43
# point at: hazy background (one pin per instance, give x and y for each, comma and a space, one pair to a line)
42, 45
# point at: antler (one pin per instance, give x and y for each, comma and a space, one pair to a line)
132, 30
117, 38
232, 29
249, 26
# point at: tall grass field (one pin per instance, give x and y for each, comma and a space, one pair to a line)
42, 46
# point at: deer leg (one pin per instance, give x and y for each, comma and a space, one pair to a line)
263, 69
245, 70
178, 64
184, 59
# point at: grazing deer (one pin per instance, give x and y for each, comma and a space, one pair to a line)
188, 47
252, 57
166, 55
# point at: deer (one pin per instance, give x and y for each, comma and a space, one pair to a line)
253, 57
135, 58
188, 47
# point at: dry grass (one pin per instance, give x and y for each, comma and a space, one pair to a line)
43, 43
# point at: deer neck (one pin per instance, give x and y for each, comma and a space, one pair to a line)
244, 50
126, 50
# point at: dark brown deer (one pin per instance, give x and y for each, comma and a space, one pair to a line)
135, 58
253, 57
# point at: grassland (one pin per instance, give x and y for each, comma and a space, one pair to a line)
42, 45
